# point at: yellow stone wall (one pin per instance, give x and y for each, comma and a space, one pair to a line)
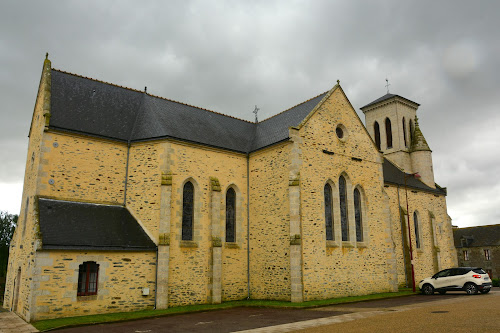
336, 268
190, 262
122, 277
440, 240
82, 169
24, 240
270, 223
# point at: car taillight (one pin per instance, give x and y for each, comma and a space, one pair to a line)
476, 276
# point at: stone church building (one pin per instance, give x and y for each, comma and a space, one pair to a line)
133, 201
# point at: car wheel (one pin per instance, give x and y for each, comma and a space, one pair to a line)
427, 289
470, 289
442, 292
484, 291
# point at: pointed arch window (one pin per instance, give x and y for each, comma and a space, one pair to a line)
187, 211
417, 231
358, 216
328, 212
388, 132
376, 128
412, 129
404, 132
230, 215
344, 224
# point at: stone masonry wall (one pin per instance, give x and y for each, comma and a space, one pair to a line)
437, 251
82, 168
190, 262
336, 268
122, 277
24, 241
270, 224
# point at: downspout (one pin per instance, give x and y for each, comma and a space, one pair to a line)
248, 225
126, 175
156, 274
402, 237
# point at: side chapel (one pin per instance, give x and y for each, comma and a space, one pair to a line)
133, 201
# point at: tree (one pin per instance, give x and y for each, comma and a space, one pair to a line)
8, 223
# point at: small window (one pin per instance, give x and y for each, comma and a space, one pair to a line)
344, 223
466, 255
328, 212
187, 211
88, 275
388, 132
230, 215
487, 254
376, 128
358, 216
404, 132
417, 231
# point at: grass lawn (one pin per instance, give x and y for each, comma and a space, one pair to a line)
49, 324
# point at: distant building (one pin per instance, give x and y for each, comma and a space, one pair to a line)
479, 246
133, 201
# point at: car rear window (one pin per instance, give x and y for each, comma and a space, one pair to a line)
478, 271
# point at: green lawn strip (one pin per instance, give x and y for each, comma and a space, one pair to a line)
50, 324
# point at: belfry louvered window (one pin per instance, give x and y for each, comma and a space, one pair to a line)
404, 132
344, 224
388, 132
230, 215
328, 212
358, 216
187, 211
376, 128
88, 274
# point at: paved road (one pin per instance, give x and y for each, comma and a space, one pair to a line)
453, 312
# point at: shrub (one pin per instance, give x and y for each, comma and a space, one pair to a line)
495, 282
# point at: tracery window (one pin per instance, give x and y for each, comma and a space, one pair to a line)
388, 132
230, 215
344, 223
404, 132
88, 274
328, 212
417, 231
358, 216
187, 211
376, 128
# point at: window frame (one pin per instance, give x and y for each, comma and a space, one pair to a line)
466, 255
344, 209
187, 219
358, 214
487, 254
329, 225
87, 271
231, 222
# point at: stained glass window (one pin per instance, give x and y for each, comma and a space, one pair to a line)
230, 215
343, 209
417, 231
328, 212
358, 215
187, 211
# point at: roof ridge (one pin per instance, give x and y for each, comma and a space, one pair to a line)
294, 106
478, 226
141, 91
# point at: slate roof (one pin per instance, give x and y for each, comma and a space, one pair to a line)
394, 175
83, 226
487, 235
386, 97
88, 106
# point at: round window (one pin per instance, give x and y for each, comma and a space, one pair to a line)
340, 132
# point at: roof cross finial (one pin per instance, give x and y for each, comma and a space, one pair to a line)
387, 85
255, 111
46, 55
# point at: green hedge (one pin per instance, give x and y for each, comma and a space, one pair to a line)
495, 282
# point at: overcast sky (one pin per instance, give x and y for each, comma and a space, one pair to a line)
229, 56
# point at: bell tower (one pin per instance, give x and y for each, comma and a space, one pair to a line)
392, 123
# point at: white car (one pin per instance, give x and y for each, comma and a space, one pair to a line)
469, 279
